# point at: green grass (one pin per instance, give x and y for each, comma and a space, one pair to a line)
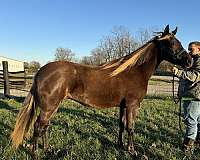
77, 132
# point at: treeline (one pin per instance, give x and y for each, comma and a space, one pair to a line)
31, 67
118, 43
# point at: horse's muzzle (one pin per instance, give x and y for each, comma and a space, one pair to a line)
189, 62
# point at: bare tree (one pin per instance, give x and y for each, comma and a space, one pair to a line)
64, 54
107, 48
88, 60
124, 43
118, 44
33, 66
145, 34
96, 58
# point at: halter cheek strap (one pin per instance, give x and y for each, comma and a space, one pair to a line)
178, 54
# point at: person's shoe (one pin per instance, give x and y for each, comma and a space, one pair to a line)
188, 145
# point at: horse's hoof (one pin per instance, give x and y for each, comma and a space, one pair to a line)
132, 151
34, 155
29, 146
46, 148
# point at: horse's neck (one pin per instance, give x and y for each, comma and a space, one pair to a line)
150, 66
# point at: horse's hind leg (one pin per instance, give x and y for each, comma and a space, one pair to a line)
35, 136
45, 136
41, 127
122, 121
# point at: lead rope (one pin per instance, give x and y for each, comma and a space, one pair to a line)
176, 101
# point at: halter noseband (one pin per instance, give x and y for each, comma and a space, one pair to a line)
178, 54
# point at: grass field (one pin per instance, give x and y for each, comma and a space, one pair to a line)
77, 132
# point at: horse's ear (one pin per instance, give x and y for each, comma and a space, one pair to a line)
174, 31
166, 30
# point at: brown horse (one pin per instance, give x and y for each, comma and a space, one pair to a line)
122, 82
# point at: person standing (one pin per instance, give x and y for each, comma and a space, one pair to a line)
189, 91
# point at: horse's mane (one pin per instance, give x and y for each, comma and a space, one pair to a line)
136, 57
123, 59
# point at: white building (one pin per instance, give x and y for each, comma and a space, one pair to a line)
13, 65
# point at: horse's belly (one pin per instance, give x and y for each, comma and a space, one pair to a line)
102, 99
97, 100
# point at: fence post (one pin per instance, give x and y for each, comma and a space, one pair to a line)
6, 79
25, 75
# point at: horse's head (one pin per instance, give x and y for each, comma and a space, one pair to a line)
172, 50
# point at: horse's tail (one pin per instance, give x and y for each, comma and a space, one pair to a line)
25, 119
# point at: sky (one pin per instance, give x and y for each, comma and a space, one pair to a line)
31, 30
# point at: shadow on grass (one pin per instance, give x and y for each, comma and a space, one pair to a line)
18, 99
108, 123
160, 135
5, 105
60, 153
8, 107
105, 122
151, 135
4, 134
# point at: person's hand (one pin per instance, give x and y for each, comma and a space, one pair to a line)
174, 70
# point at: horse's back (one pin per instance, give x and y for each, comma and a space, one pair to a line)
60, 78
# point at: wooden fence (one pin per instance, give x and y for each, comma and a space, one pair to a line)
12, 80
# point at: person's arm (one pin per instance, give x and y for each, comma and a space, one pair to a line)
193, 76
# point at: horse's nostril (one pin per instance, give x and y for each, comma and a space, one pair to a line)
189, 63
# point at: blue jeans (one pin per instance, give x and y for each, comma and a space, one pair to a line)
191, 118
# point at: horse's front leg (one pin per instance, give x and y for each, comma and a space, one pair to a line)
129, 117
131, 113
122, 122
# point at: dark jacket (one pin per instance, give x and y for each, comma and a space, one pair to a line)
189, 83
